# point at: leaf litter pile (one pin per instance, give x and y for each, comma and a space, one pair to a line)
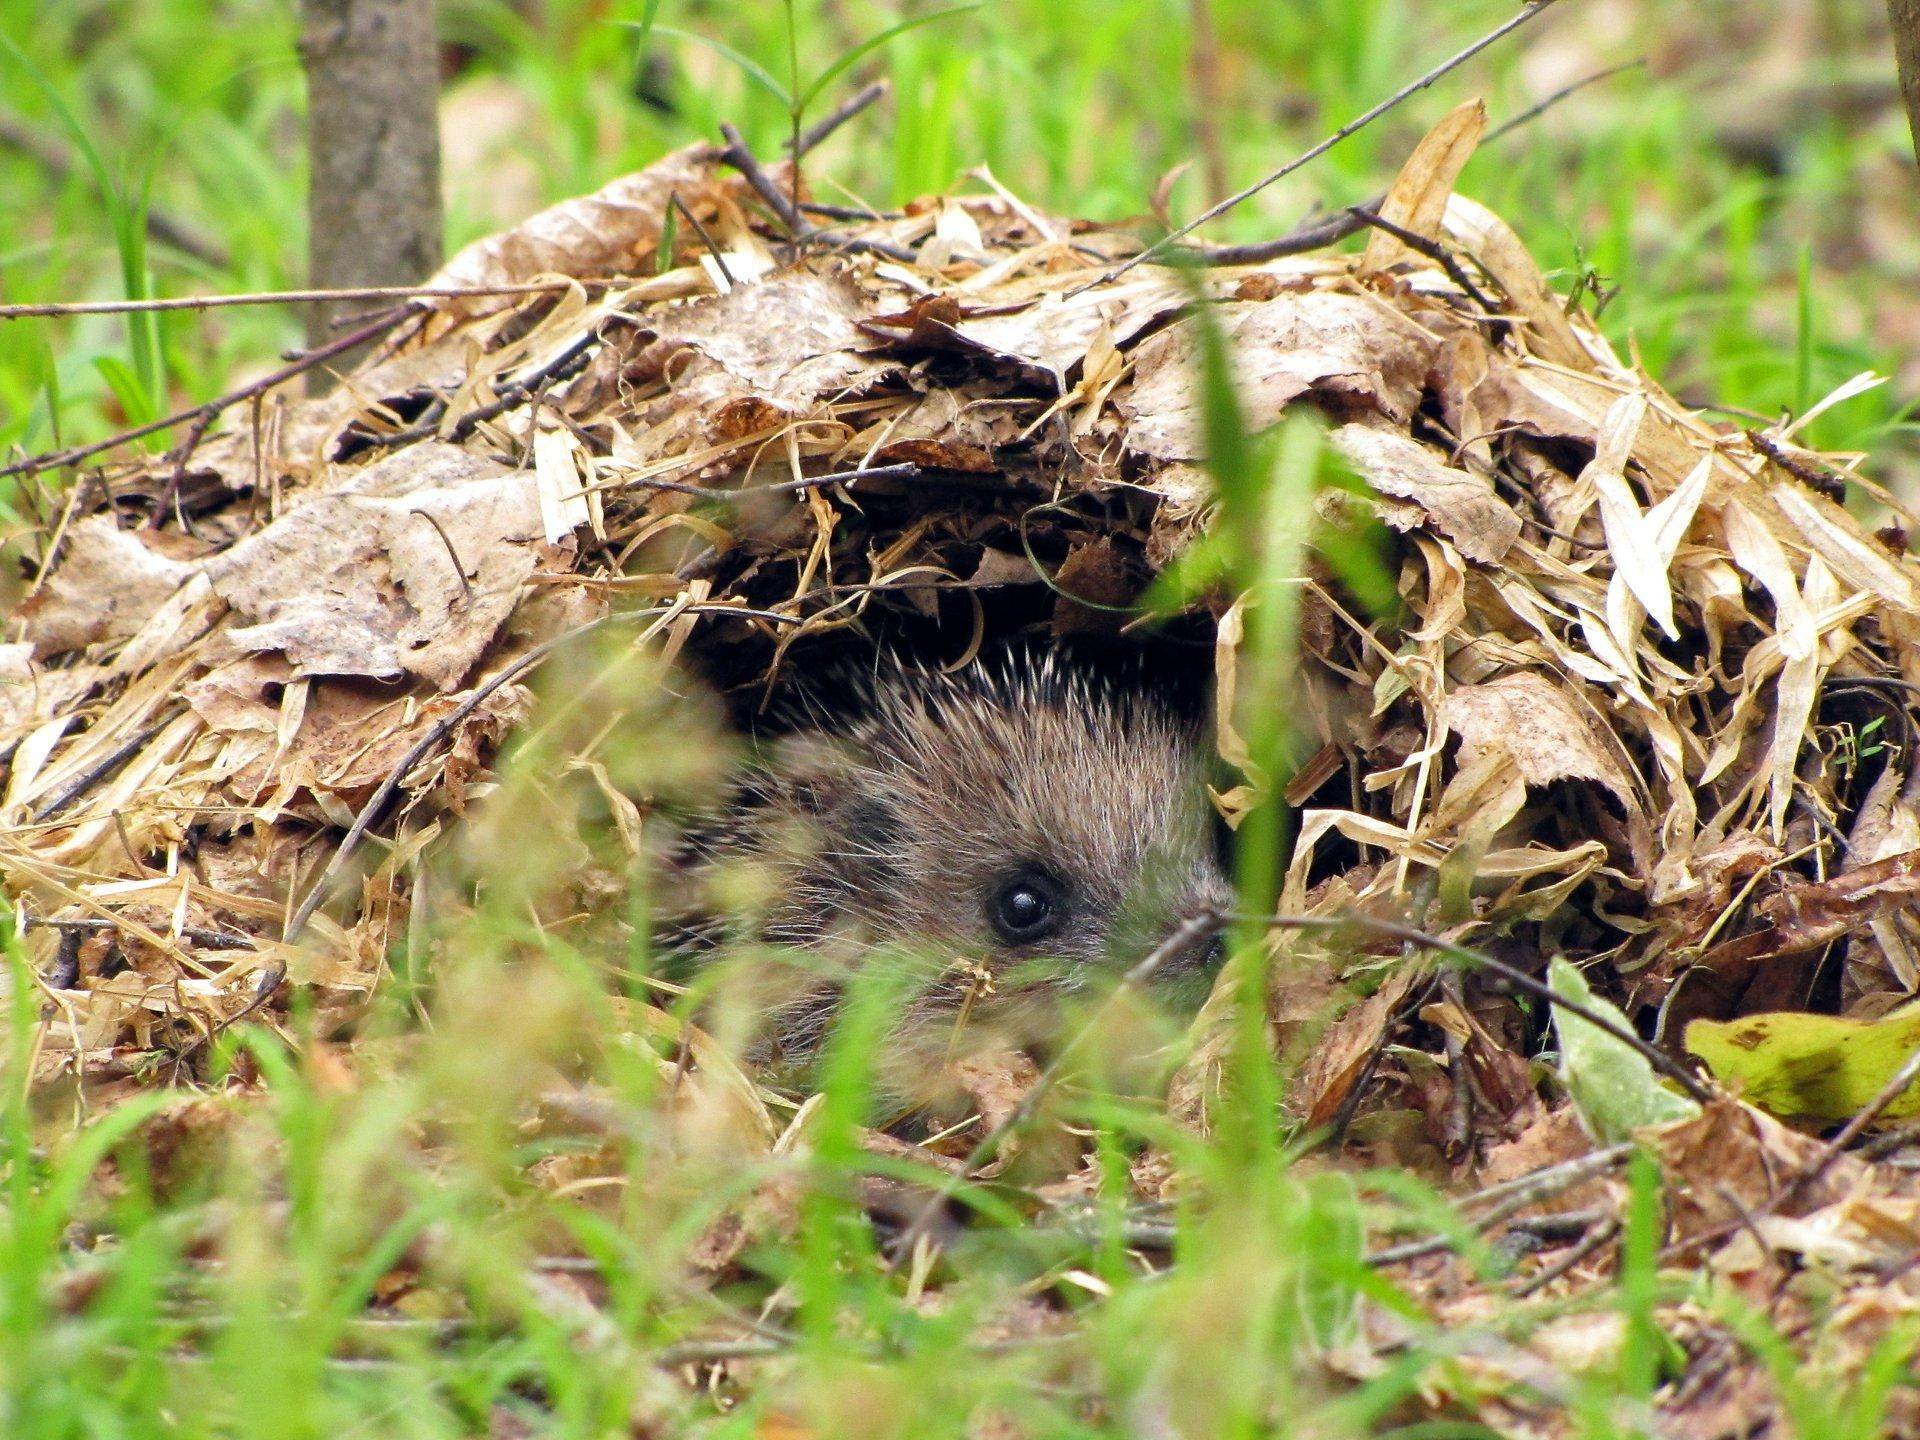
1639, 731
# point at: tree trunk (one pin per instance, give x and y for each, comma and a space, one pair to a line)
1905, 16
373, 139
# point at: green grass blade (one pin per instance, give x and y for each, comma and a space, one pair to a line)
746, 64
872, 43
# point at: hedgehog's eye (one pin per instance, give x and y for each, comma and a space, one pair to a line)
1025, 908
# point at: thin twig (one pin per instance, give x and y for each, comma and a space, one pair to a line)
1213, 212
1551, 1179
303, 362
1319, 232
514, 392
459, 565
182, 455
1540, 107
1598, 1236
817, 133
1433, 250
788, 213
205, 939
1514, 1196
105, 766
713, 249
302, 297
742, 159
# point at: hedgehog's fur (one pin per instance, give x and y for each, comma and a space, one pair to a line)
893, 823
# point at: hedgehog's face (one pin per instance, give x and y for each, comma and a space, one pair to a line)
1032, 830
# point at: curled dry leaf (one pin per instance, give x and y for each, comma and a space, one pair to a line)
613, 231
408, 569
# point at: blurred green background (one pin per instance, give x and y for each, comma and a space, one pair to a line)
1741, 208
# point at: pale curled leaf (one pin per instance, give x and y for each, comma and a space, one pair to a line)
1461, 505
1280, 349
1417, 199
1632, 536
1612, 1084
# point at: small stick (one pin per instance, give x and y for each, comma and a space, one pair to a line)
459, 566
840, 115
1213, 212
304, 361
719, 259
903, 471
788, 213
741, 158
1515, 1196
301, 297
1596, 1237
1315, 234
169, 496
205, 939
845, 212
1432, 249
104, 767
562, 366
1540, 107
1550, 1179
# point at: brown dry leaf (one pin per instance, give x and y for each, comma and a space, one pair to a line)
1338, 1057
612, 231
1533, 721
1417, 199
1803, 917
1731, 1162
997, 1083
1461, 505
108, 584
409, 568
1340, 345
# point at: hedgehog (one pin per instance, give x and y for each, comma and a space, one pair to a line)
1011, 833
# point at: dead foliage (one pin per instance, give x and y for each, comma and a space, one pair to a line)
1648, 701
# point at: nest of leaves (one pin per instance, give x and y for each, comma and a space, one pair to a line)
1648, 701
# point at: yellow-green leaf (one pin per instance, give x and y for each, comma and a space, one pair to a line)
1823, 1067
